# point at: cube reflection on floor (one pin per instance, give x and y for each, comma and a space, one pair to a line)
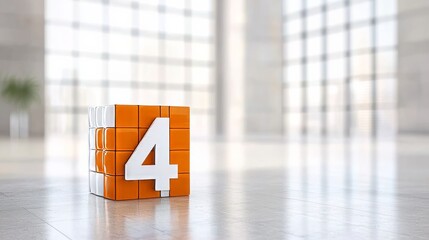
114, 133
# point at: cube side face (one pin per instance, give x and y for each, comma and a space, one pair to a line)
180, 149
114, 133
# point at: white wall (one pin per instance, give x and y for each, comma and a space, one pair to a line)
251, 76
22, 54
413, 66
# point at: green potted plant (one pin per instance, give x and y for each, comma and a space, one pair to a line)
20, 93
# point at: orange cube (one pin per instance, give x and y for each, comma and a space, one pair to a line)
115, 132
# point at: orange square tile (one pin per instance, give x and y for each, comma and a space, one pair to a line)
165, 111
179, 139
126, 116
110, 187
179, 117
99, 138
181, 158
126, 138
126, 189
147, 189
180, 186
122, 158
147, 115
109, 138
150, 159
99, 167
109, 162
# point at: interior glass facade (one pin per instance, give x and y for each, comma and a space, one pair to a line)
102, 52
340, 68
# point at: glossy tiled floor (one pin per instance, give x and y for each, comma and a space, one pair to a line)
254, 190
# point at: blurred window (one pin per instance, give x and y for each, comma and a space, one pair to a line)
339, 70
131, 52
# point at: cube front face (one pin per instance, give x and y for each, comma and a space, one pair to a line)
114, 133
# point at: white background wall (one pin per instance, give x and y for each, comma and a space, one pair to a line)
413, 66
251, 46
22, 54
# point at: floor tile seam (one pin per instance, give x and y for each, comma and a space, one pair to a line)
151, 226
48, 224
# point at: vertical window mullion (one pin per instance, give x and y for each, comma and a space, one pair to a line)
75, 56
374, 105
105, 56
304, 36
347, 91
161, 55
324, 106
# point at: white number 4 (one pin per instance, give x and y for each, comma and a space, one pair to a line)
158, 137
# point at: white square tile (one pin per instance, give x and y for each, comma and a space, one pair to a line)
92, 160
92, 182
91, 117
109, 116
99, 116
91, 138
99, 184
